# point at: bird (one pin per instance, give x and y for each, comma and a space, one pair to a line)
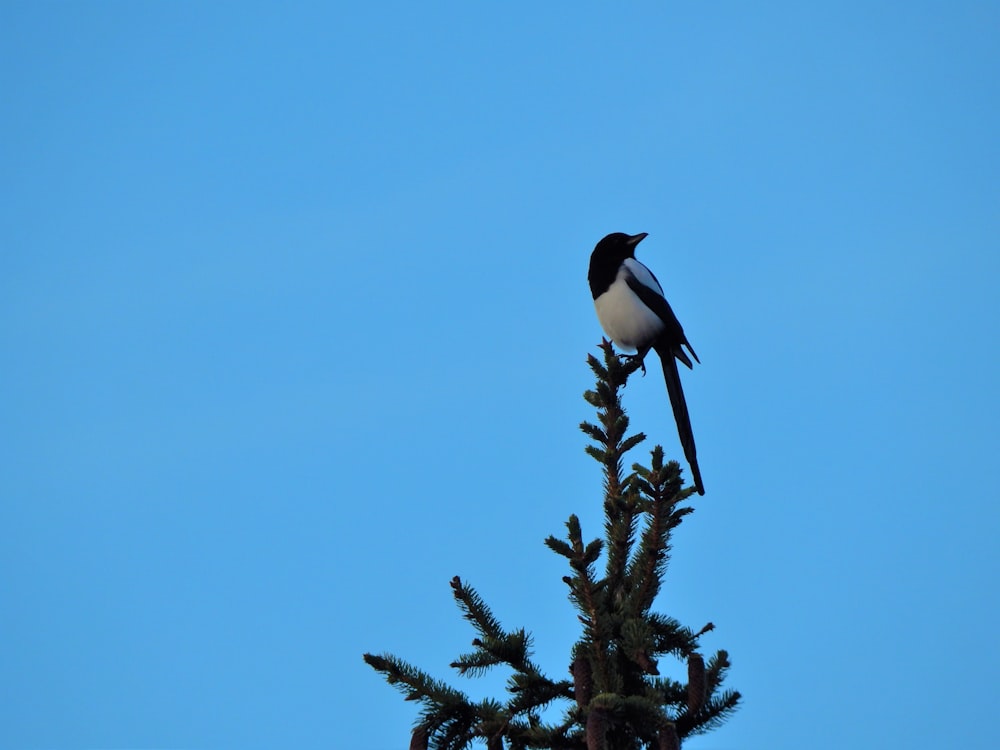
634, 314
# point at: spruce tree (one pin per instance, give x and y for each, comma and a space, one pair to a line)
616, 699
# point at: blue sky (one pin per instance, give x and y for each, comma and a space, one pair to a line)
293, 320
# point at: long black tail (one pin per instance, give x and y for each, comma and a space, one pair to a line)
680, 408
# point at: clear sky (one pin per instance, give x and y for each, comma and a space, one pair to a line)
293, 321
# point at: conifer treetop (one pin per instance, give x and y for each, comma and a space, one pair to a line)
617, 699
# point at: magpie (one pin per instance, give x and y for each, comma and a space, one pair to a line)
634, 313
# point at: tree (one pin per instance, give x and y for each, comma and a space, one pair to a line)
617, 699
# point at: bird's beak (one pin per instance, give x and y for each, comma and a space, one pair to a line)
635, 239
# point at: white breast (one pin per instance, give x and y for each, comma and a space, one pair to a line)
623, 316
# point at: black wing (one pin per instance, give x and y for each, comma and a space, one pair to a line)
673, 335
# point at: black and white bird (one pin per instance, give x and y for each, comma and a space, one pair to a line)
635, 315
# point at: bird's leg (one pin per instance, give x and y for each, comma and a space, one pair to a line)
639, 355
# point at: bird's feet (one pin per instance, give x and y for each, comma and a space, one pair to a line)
631, 358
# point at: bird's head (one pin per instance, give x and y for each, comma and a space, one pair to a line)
618, 246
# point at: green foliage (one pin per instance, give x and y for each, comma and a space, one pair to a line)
617, 699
